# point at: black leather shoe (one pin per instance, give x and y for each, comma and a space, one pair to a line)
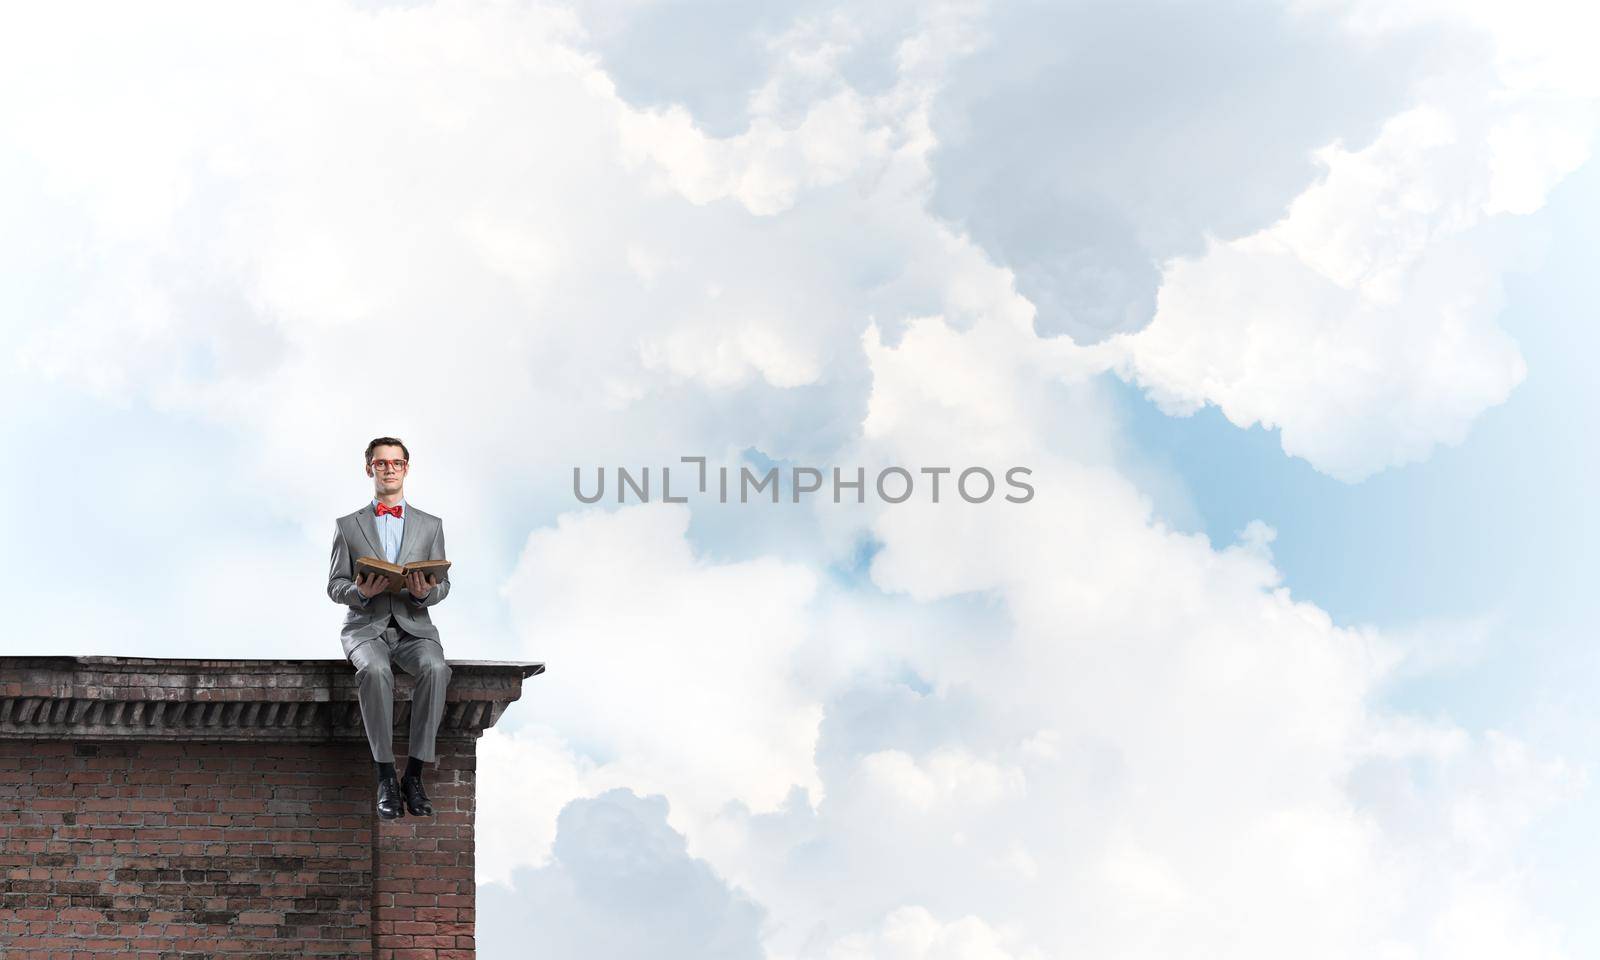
416, 797
389, 805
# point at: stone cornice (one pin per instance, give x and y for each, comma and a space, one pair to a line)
82, 697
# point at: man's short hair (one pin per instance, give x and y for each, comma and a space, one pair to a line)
387, 442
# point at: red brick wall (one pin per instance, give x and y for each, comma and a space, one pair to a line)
423, 891
161, 849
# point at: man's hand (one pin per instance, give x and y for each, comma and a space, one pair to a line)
419, 584
370, 584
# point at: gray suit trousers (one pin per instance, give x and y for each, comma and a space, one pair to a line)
423, 659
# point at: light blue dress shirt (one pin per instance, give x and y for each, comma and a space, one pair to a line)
390, 527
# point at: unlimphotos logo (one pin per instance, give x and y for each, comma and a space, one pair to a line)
891, 484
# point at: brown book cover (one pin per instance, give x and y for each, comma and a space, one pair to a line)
432, 569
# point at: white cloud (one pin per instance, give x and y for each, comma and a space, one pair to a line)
414, 230
677, 668
1155, 752
913, 933
1084, 145
525, 776
949, 776
620, 885
1057, 728
1362, 324
1186, 735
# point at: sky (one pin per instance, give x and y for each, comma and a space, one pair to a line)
1287, 309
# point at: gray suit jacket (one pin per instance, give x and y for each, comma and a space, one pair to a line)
356, 535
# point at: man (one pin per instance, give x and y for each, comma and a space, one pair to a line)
382, 628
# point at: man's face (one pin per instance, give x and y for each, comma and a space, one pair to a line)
387, 469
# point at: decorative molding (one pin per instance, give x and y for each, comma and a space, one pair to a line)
67, 697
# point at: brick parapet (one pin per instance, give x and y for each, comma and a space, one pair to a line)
164, 809
112, 697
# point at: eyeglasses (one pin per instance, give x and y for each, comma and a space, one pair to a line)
388, 464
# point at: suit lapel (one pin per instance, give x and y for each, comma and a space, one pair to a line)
409, 533
369, 529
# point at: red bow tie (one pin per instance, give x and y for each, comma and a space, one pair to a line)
384, 508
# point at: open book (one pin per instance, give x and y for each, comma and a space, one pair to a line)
433, 570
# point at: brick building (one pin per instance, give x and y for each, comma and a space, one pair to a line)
154, 809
